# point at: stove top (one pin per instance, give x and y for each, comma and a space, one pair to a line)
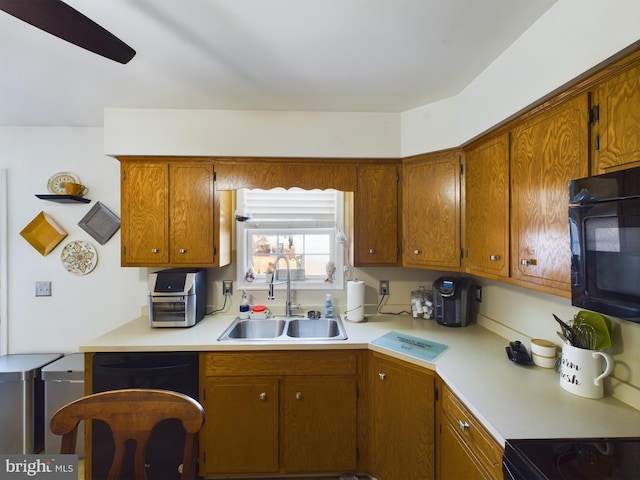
572, 459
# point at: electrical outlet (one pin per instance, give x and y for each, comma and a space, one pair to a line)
384, 287
478, 294
227, 287
43, 289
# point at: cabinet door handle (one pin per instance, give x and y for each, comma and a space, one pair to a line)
263, 396
527, 262
298, 395
382, 375
464, 426
494, 258
154, 250
183, 250
373, 251
416, 252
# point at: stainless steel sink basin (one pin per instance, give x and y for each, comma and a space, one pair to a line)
320, 328
285, 329
246, 329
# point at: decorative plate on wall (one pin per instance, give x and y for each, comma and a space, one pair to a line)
79, 257
43, 233
56, 183
100, 222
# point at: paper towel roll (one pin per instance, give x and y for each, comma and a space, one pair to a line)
355, 301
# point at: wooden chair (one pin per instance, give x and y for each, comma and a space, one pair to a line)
132, 414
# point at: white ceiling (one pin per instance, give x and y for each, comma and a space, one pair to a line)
304, 55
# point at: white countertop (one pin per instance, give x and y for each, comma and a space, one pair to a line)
512, 401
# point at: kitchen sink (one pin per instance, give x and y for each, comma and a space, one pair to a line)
319, 328
246, 329
285, 329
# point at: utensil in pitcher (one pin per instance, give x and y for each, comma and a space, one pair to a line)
586, 334
568, 332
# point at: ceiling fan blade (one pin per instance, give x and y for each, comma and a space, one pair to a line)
59, 19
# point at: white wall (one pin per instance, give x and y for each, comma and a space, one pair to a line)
572, 37
251, 133
81, 307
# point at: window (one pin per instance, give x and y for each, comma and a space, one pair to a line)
299, 225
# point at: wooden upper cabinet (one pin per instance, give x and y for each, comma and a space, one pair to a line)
191, 213
172, 215
546, 152
145, 213
267, 173
616, 122
376, 223
486, 234
431, 211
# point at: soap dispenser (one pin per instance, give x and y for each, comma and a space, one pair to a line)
244, 306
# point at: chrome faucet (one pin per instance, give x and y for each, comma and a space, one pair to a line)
271, 295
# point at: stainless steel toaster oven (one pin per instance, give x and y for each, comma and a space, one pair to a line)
177, 297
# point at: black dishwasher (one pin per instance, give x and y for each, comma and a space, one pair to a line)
177, 371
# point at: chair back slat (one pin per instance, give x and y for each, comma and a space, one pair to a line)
131, 415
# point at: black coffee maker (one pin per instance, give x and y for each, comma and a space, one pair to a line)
453, 301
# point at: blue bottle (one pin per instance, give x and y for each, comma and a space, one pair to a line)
328, 306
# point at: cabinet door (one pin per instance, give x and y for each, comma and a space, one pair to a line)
487, 208
192, 213
431, 211
376, 216
546, 152
145, 213
466, 449
240, 434
319, 432
456, 460
402, 424
616, 142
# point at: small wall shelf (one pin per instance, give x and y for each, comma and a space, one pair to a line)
63, 198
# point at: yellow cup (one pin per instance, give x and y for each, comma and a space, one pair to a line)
75, 189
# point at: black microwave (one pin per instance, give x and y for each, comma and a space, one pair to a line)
604, 224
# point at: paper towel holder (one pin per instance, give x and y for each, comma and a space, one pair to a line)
355, 301
346, 315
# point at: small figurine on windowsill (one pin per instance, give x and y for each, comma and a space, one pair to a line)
331, 272
250, 276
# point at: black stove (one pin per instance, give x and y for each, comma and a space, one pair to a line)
572, 459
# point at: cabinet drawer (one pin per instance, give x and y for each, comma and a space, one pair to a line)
480, 442
324, 362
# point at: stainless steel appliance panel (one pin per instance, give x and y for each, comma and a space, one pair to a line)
177, 297
22, 400
63, 383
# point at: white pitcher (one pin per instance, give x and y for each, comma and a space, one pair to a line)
582, 372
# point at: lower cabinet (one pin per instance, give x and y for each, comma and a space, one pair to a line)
402, 422
279, 412
301, 413
319, 433
240, 434
465, 449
